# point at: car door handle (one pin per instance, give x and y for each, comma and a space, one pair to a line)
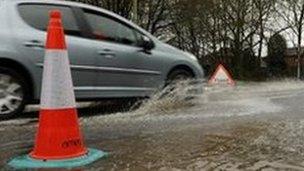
34, 44
107, 53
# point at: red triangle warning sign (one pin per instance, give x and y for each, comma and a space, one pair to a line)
221, 76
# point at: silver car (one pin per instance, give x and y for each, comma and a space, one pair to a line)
110, 56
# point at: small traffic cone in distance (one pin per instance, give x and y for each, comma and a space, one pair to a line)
59, 143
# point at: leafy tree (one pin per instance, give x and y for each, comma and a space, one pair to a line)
250, 67
276, 53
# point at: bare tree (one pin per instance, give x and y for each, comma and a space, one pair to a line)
189, 33
224, 28
291, 12
121, 7
154, 15
263, 9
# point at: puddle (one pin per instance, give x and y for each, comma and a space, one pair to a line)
224, 128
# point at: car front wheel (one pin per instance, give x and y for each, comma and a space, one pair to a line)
13, 93
176, 83
177, 76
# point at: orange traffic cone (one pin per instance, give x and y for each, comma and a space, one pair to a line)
59, 142
58, 135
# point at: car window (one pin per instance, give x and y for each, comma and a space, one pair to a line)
37, 16
108, 29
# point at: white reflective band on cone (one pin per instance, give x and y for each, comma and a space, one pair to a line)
57, 86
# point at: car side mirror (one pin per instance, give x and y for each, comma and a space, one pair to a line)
146, 43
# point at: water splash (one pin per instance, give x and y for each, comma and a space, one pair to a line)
245, 99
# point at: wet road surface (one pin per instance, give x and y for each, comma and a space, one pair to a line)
255, 126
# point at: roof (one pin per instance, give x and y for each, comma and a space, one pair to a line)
291, 52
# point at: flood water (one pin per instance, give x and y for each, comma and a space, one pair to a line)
254, 126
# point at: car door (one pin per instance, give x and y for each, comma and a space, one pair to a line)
119, 58
30, 40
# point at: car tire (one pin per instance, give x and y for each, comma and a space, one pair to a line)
178, 75
172, 81
14, 93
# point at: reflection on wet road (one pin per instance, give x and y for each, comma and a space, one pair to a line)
255, 126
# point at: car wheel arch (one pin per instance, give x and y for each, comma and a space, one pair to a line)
183, 67
17, 66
